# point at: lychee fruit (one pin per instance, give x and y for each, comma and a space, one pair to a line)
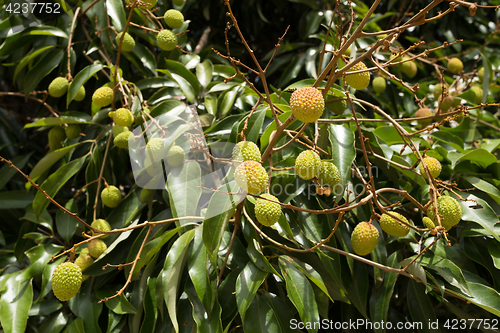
251, 177
455, 65
72, 131
246, 151
111, 196
424, 112
307, 164
392, 226
175, 156
307, 104
56, 137
117, 129
80, 95
128, 43
446, 103
267, 212
102, 96
479, 93
433, 165
438, 90
122, 139
364, 238
449, 209
337, 107
409, 68
173, 18
122, 117
97, 247
102, 225
379, 84
66, 281
166, 40
155, 149
58, 87
428, 223
83, 261
147, 195
480, 74
328, 174
358, 80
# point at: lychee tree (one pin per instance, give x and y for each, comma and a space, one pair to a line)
249, 166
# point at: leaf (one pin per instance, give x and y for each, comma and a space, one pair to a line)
476, 249
261, 317
449, 139
39, 257
15, 301
29, 58
84, 304
45, 30
67, 225
247, 284
15, 199
483, 296
310, 273
116, 12
70, 117
55, 182
343, 150
204, 72
83, 76
421, 308
252, 133
482, 157
485, 216
484, 186
226, 102
6, 172
48, 160
197, 269
41, 69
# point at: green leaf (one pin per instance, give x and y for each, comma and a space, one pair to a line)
146, 58
15, 301
66, 225
29, 58
43, 30
70, 117
55, 182
85, 305
483, 296
204, 72
15, 199
343, 150
481, 157
421, 308
49, 160
449, 139
79, 80
476, 249
226, 102
41, 69
252, 133
494, 250
116, 12
261, 317
484, 186
310, 273
247, 284
484, 216
39, 257
197, 269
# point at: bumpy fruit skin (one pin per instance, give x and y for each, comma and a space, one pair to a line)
446, 103
175, 156
117, 130
121, 140
358, 80
97, 247
328, 174
409, 68
455, 65
72, 131
166, 40
66, 281
423, 112
246, 151
80, 95
379, 84
307, 164
364, 238
337, 107
449, 209
479, 93
267, 212
251, 177
102, 96
307, 104
83, 261
428, 223
56, 137
111, 196
173, 18
122, 117
58, 87
128, 43
433, 165
393, 226
101, 224
155, 149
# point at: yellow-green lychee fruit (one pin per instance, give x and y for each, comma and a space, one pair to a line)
166, 40
122, 139
392, 226
147, 195
307, 104
449, 209
83, 261
102, 96
438, 90
480, 74
72, 131
398, 59
155, 149
80, 95
307, 164
102, 225
424, 112
337, 107
455, 65
122, 117
128, 43
446, 103
428, 223
97, 247
179, 2
328, 174
267, 212
364, 238
251, 177
173, 18
58, 87
358, 80
246, 151
56, 137
379, 84
433, 165
409, 68
175, 156
66, 281
111, 196
117, 130
479, 93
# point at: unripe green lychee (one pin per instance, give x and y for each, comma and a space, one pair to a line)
480, 74
246, 151
66, 280
433, 165
307, 164
179, 2
358, 80
128, 43
166, 40
101, 224
117, 130
328, 174
80, 95
379, 84
267, 212
111, 196
409, 68
102, 96
398, 59
147, 195
392, 226
83, 261
449, 209
446, 103
251, 177
72, 131
307, 104
337, 107
97, 247
438, 90
122, 117
155, 149
364, 238
424, 112
173, 18
428, 223
56, 137
455, 65
479, 93
175, 156
58, 87
122, 139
